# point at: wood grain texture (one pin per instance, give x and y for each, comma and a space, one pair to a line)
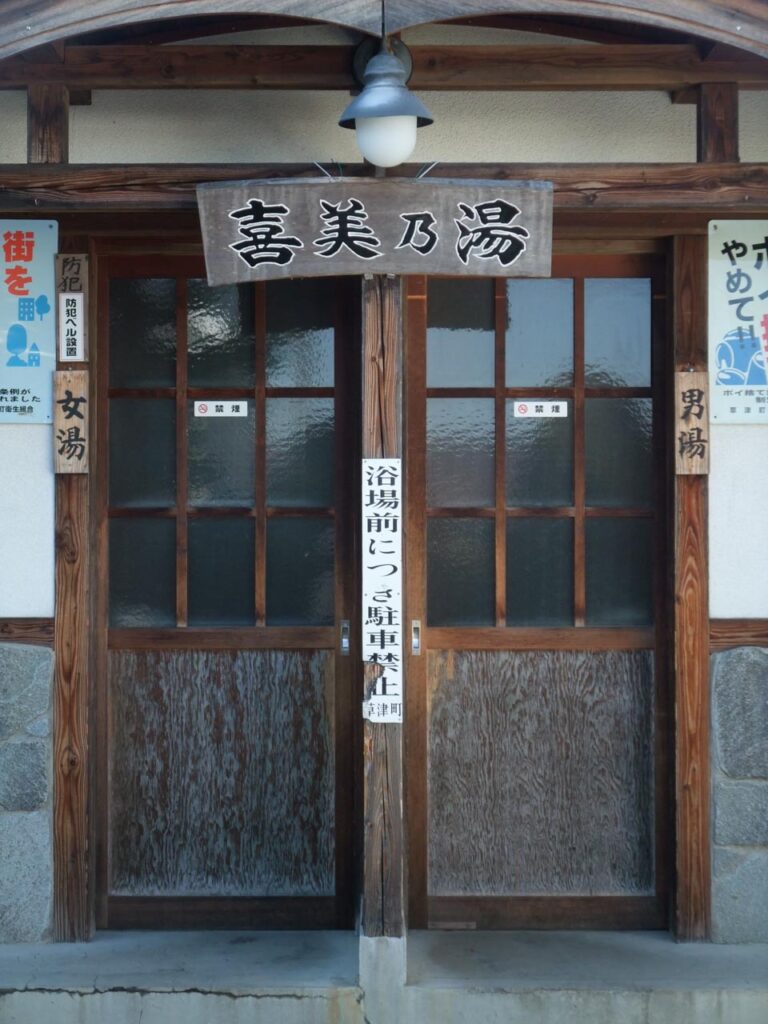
222, 768
30, 23
27, 631
47, 124
727, 633
541, 773
671, 67
717, 122
673, 189
383, 909
691, 631
617, 913
161, 913
384, 202
71, 853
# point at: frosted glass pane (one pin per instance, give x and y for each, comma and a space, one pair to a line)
222, 458
142, 452
300, 578
460, 572
300, 330
539, 459
460, 333
618, 451
221, 572
220, 335
460, 446
539, 333
142, 572
300, 456
619, 572
617, 324
142, 332
539, 572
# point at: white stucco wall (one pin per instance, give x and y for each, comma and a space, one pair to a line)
26, 521
137, 127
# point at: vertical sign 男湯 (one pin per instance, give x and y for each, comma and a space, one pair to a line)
383, 587
691, 424
27, 319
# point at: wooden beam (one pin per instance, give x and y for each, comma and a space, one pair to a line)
28, 23
47, 123
588, 188
27, 631
383, 805
727, 633
467, 68
717, 126
691, 621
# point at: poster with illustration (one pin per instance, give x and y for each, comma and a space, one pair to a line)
738, 321
27, 320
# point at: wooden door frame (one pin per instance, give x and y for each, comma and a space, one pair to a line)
73, 765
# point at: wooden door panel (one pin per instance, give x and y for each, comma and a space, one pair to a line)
540, 773
222, 768
537, 707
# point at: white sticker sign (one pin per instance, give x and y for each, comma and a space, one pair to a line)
383, 587
738, 321
71, 327
212, 407
534, 407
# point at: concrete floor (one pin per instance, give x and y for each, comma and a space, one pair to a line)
453, 978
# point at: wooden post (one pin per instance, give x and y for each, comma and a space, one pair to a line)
691, 621
717, 128
47, 124
48, 143
383, 912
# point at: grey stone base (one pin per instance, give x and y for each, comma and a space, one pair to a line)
740, 795
26, 860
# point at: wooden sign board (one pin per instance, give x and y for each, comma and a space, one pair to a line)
71, 436
72, 291
262, 230
691, 423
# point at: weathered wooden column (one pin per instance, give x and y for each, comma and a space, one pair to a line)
383, 906
717, 141
48, 143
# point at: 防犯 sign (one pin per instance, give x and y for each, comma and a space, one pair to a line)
261, 230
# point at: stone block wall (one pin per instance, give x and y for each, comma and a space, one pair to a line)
740, 795
26, 848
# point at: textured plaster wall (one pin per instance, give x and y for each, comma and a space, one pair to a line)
26, 521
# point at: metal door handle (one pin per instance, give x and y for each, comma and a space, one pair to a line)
345, 637
415, 636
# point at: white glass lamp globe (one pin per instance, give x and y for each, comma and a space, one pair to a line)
386, 141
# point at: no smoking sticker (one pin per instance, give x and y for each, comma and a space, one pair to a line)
529, 408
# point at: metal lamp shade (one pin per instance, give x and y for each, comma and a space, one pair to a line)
385, 94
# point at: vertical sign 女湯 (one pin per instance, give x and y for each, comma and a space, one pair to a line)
383, 587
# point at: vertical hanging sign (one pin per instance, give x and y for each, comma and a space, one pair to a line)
383, 587
692, 423
71, 436
72, 288
27, 320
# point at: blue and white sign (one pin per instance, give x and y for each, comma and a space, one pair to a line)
738, 321
27, 319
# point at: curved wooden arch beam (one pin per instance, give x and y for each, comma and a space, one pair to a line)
29, 23
742, 23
